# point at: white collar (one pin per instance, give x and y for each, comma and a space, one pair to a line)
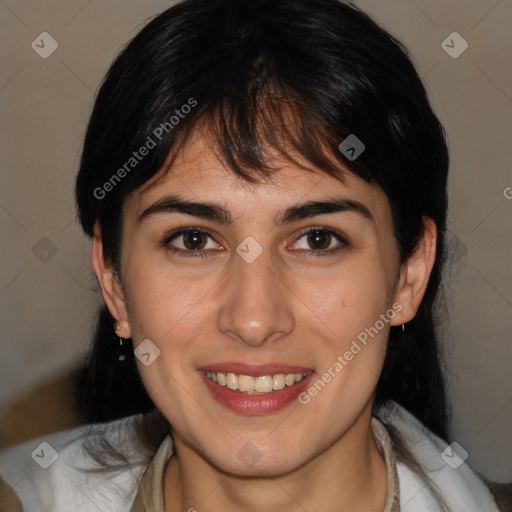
461, 489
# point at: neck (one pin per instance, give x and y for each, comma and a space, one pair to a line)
349, 475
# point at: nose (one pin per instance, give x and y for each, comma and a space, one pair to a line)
256, 304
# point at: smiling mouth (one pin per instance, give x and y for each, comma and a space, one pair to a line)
260, 385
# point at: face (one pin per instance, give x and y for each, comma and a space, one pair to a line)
294, 281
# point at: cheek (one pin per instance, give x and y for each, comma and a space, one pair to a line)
161, 302
168, 310
350, 303
350, 298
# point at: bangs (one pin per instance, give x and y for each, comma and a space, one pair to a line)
252, 131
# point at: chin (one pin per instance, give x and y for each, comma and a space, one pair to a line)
259, 468
251, 461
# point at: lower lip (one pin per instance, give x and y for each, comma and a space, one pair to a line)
256, 404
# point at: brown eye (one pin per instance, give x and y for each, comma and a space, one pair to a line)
319, 240
195, 240
191, 241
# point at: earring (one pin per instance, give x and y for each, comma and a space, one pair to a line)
121, 353
403, 327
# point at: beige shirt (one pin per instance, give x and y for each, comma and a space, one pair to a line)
150, 497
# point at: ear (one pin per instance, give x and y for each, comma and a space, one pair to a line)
415, 273
110, 285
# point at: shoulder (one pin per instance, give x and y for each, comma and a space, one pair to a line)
59, 473
440, 470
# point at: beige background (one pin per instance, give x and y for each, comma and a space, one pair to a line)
47, 307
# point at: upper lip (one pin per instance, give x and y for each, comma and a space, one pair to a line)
254, 370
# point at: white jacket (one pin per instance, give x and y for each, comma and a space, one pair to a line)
64, 487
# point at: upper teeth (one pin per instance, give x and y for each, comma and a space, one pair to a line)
261, 384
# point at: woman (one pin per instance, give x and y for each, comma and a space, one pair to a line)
265, 186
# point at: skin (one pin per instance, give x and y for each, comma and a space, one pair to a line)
283, 307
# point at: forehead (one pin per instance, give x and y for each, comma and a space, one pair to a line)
198, 173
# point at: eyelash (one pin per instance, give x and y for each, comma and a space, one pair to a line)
202, 253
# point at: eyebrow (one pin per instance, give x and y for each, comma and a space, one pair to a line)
217, 213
